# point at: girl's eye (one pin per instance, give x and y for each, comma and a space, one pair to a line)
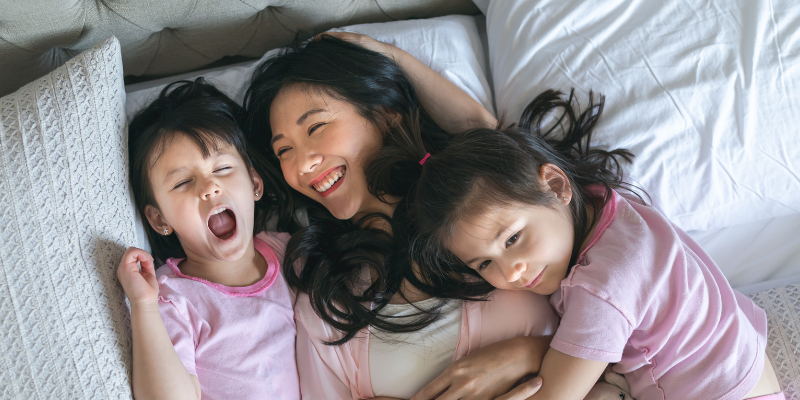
180, 184
512, 239
282, 150
484, 265
314, 128
222, 169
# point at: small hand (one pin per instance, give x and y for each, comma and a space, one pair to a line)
361, 40
487, 373
140, 287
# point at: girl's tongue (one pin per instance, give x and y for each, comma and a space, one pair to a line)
222, 225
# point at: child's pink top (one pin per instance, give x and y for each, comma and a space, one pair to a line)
239, 341
644, 295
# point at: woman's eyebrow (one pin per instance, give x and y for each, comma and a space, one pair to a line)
307, 114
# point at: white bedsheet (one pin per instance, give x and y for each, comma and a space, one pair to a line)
758, 255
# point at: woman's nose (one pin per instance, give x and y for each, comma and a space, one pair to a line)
311, 159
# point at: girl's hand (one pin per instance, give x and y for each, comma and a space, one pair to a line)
490, 372
361, 40
141, 287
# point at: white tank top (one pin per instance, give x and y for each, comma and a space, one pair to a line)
400, 364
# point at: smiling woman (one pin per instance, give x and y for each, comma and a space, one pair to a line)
326, 113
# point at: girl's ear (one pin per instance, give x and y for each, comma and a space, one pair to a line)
258, 184
156, 220
553, 177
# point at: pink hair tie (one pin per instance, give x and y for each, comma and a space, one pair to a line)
424, 158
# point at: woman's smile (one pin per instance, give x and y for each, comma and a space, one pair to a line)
322, 144
328, 182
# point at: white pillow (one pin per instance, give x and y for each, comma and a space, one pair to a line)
449, 45
66, 218
705, 94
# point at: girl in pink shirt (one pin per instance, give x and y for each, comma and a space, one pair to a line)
228, 330
537, 209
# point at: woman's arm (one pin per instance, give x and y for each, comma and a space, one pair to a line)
157, 371
489, 372
450, 107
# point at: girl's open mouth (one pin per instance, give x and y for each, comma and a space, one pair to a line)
222, 223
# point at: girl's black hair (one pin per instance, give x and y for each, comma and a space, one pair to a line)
490, 167
336, 252
209, 118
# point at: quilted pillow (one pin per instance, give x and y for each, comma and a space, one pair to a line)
705, 93
782, 305
65, 220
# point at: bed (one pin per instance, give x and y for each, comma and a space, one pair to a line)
705, 94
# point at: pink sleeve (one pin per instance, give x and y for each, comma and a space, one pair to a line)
591, 328
321, 377
180, 333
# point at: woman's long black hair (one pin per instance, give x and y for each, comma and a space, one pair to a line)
210, 118
490, 167
334, 252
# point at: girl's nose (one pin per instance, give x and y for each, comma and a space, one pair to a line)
513, 271
210, 189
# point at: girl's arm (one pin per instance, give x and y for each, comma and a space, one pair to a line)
157, 371
450, 107
489, 372
565, 378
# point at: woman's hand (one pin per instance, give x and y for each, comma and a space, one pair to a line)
490, 372
450, 107
141, 287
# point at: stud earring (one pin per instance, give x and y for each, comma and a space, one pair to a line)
166, 231
256, 194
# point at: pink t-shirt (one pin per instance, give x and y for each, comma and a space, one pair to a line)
644, 295
238, 341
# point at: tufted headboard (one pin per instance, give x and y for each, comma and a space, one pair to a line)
160, 38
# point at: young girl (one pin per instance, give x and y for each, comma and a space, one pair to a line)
228, 329
525, 211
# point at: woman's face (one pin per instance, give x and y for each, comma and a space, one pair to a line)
322, 144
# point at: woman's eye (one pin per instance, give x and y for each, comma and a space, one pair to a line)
484, 265
512, 239
314, 128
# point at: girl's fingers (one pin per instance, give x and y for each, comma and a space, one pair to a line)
523, 391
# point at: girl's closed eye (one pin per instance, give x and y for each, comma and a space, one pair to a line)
282, 151
181, 183
484, 265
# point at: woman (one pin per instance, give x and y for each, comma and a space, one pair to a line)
324, 111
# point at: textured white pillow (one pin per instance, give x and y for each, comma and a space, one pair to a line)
65, 220
782, 305
706, 94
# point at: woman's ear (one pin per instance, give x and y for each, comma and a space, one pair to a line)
553, 177
258, 184
156, 220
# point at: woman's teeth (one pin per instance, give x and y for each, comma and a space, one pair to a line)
326, 184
